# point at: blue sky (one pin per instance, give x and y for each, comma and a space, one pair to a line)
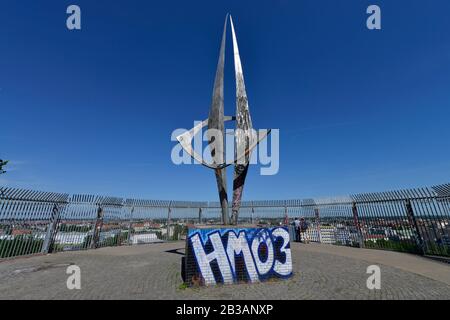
92, 111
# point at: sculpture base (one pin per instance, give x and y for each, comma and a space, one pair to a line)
234, 254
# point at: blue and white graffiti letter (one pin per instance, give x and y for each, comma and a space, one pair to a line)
283, 269
239, 245
218, 254
262, 238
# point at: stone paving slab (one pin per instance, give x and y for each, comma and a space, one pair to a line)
152, 272
408, 262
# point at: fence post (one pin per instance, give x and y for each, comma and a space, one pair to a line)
317, 215
357, 224
169, 211
413, 223
286, 217
97, 228
130, 226
200, 215
252, 217
47, 247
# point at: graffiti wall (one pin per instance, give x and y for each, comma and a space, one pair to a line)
229, 255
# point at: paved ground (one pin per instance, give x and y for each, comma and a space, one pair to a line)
150, 272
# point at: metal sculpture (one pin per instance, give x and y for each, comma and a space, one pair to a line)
245, 137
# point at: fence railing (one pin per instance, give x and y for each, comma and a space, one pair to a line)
34, 222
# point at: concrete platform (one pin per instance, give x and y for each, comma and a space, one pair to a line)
154, 272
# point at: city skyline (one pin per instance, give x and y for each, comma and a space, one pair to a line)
92, 111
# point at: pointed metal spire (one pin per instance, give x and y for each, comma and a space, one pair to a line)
216, 121
243, 133
243, 119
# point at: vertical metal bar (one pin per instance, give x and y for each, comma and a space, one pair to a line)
412, 219
317, 220
357, 225
200, 215
252, 218
98, 226
51, 230
363, 218
286, 218
169, 212
130, 226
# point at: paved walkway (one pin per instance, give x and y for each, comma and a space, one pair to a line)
151, 272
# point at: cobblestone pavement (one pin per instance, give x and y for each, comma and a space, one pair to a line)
151, 272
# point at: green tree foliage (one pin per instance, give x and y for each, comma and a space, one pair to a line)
74, 228
2, 164
178, 231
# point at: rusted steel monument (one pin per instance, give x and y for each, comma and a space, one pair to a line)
230, 253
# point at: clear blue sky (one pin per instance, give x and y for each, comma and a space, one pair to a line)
92, 111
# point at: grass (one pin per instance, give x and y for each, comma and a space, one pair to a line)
183, 286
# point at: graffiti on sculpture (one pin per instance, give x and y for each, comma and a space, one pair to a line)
229, 255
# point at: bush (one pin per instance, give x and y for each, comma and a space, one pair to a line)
401, 246
87, 242
432, 248
19, 246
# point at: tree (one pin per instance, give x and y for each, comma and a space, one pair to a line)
2, 164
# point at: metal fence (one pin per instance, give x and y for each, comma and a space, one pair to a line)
34, 222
